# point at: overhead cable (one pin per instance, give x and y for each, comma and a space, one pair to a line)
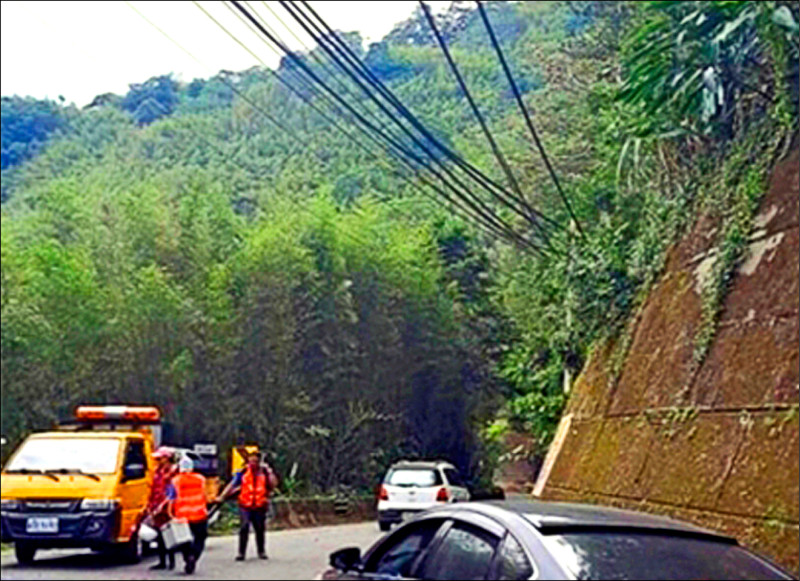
487, 133
526, 115
255, 107
486, 219
497, 191
489, 215
225, 81
311, 53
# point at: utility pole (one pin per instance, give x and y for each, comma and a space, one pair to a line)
568, 300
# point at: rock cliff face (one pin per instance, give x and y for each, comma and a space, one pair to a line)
716, 443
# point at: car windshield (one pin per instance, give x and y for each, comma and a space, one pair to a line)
419, 477
600, 555
90, 455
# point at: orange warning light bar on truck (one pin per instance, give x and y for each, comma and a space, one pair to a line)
140, 414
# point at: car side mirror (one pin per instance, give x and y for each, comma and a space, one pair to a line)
346, 559
133, 472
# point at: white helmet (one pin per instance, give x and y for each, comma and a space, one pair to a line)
186, 464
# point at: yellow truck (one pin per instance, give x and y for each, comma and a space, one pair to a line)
84, 484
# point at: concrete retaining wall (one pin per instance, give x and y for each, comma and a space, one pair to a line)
714, 444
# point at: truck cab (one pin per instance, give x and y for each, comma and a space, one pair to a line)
85, 484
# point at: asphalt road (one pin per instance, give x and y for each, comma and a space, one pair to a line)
293, 554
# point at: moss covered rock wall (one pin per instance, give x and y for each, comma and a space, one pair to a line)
714, 442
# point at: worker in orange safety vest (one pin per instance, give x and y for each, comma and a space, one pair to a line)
187, 493
255, 483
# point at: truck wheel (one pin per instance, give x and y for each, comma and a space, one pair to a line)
130, 552
384, 526
24, 553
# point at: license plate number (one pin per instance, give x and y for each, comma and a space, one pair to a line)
42, 525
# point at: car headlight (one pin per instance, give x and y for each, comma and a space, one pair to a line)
10, 504
98, 504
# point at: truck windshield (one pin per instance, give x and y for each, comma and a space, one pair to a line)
92, 455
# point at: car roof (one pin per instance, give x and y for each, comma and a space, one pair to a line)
422, 464
551, 517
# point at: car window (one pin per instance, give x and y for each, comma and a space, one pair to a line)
465, 553
453, 477
512, 562
655, 556
420, 477
398, 553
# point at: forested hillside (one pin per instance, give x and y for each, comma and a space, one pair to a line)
174, 246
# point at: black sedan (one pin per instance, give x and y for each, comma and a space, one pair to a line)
544, 540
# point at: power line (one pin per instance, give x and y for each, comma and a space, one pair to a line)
325, 67
234, 88
528, 121
487, 215
323, 44
495, 148
225, 81
311, 53
266, 67
488, 221
331, 73
308, 84
498, 154
492, 187
483, 220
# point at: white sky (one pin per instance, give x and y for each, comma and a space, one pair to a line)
82, 49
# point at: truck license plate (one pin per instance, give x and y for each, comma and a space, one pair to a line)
42, 525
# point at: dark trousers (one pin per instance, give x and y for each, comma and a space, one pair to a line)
164, 556
194, 549
258, 517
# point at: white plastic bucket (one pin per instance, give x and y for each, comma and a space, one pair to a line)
176, 533
147, 533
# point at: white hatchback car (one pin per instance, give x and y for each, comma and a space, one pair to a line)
413, 486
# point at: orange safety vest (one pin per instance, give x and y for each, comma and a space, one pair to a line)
190, 501
254, 493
